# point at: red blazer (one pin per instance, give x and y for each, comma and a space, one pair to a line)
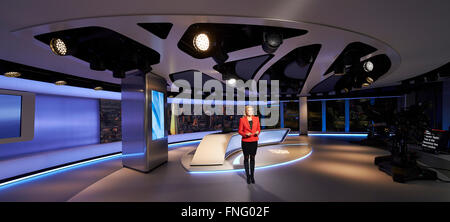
244, 128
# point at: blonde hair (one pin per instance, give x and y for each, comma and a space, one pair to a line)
248, 107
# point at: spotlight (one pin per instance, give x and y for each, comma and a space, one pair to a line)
98, 88
271, 41
201, 42
118, 73
369, 79
12, 74
59, 46
366, 84
368, 66
231, 81
60, 83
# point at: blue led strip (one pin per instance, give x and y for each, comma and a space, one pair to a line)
56, 170
261, 167
339, 134
75, 165
324, 116
347, 115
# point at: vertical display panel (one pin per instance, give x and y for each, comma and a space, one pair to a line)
10, 116
157, 115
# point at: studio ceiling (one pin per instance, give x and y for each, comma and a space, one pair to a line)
413, 34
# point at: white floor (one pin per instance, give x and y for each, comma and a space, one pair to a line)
336, 171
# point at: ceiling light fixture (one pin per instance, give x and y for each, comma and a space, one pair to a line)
60, 83
368, 66
271, 41
12, 74
201, 42
231, 81
59, 46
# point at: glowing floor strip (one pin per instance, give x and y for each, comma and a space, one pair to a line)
261, 167
56, 170
339, 134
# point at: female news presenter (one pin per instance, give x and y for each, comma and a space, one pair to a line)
249, 129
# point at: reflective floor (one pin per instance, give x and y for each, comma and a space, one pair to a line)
335, 171
267, 156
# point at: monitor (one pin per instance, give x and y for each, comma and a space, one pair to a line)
16, 116
157, 115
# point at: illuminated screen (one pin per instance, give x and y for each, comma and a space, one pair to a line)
10, 115
157, 115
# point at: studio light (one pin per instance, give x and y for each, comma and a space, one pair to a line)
201, 42
98, 88
60, 83
231, 81
369, 79
271, 41
368, 66
12, 74
59, 46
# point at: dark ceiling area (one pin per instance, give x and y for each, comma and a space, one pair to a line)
351, 54
293, 69
423, 81
230, 37
37, 74
159, 29
105, 49
244, 69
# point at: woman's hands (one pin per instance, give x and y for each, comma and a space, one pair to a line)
251, 134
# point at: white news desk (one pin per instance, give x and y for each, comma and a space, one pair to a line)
215, 148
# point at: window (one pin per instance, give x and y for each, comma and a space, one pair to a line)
314, 115
335, 115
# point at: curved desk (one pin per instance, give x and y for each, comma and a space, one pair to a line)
215, 148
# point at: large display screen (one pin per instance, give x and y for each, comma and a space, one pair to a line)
10, 116
157, 115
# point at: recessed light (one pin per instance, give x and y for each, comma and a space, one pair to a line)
12, 74
60, 82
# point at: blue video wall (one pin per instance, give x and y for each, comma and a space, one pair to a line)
10, 116
157, 115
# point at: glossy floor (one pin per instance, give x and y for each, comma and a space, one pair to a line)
336, 171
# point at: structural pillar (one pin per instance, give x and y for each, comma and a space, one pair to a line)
144, 121
303, 112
